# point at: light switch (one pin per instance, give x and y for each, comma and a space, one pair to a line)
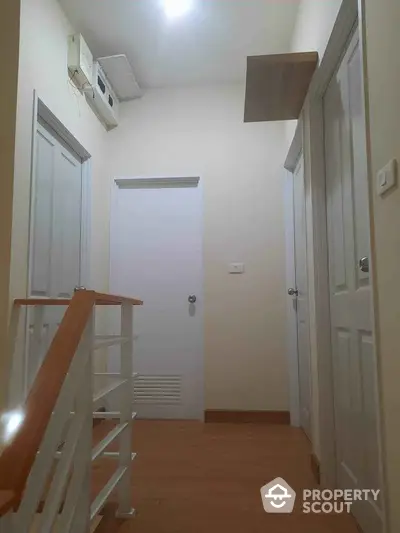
236, 268
387, 177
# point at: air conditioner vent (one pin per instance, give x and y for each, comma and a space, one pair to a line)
102, 99
158, 390
101, 84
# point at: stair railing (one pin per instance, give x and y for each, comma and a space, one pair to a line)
45, 468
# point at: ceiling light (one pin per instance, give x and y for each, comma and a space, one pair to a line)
177, 8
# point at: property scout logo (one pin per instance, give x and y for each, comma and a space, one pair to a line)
279, 497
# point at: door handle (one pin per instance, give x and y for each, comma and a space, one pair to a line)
192, 299
364, 264
79, 288
293, 292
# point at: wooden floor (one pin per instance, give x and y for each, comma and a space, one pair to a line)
195, 478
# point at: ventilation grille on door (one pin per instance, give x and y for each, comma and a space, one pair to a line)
163, 390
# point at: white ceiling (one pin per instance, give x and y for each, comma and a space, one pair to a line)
208, 45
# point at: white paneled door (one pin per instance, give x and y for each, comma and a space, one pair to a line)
55, 259
156, 254
301, 298
354, 367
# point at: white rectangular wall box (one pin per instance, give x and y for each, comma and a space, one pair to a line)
236, 268
387, 177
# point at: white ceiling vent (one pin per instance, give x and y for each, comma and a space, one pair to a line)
121, 76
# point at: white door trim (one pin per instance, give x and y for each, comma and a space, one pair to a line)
291, 315
295, 152
42, 112
345, 25
342, 30
157, 183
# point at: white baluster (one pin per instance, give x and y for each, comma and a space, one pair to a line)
76, 513
7, 524
15, 386
125, 509
36, 352
76, 383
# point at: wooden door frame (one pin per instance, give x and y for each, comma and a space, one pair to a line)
43, 113
349, 20
295, 152
167, 182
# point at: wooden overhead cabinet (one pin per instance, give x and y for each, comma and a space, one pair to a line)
277, 85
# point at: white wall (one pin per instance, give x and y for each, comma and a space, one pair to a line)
9, 56
382, 21
200, 131
314, 24
43, 66
197, 131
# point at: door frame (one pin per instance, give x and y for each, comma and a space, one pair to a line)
167, 182
43, 113
295, 152
349, 20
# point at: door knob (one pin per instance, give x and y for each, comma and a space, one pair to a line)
293, 292
79, 288
192, 299
364, 264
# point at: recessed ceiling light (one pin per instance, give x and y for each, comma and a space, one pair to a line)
177, 8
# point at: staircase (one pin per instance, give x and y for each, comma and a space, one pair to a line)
45, 466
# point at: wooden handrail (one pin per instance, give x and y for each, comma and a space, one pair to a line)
112, 299
100, 299
19, 455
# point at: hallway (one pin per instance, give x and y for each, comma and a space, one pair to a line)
195, 478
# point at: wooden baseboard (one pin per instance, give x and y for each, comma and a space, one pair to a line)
247, 417
316, 468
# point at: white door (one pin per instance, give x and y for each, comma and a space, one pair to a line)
55, 261
355, 389
301, 298
156, 255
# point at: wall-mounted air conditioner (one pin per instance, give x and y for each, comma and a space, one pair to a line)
80, 61
102, 98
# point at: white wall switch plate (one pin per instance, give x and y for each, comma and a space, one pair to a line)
236, 268
387, 177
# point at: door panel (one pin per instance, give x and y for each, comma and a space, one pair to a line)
356, 402
303, 325
42, 229
156, 254
67, 224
